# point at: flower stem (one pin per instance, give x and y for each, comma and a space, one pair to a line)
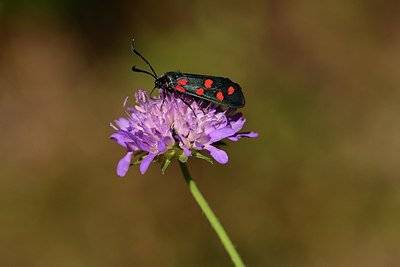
211, 217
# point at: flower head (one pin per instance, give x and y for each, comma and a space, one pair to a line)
161, 128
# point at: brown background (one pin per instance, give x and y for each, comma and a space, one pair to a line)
319, 187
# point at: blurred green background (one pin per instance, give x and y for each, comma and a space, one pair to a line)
319, 187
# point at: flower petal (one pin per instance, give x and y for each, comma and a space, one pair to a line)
168, 141
221, 134
124, 139
198, 145
120, 139
146, 162
218, 154
126, 100
122, 123
123, 164
161, 146
237, 124
240, 135
112, 125
187, 152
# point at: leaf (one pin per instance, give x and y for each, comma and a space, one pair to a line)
182, 157
165, 165
201, 156
138, 161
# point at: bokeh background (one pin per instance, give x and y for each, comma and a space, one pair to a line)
320, 186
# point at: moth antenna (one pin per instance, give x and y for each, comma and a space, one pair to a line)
137, 53
139, 70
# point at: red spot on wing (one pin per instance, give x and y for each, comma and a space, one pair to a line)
231, 90
182, 81
220, 96
207, 83
179, 88
199, 91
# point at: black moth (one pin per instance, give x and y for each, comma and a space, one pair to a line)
215, 89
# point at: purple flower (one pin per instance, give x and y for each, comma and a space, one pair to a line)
159, 129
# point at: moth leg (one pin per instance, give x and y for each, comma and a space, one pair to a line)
153, 90
198, 104
186, 103
164, 96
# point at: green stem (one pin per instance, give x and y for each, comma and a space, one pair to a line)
211, 217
